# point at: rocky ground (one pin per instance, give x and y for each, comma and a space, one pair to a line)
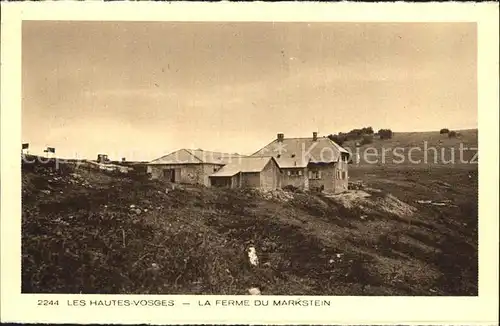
411, 232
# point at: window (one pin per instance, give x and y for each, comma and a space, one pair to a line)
314, 174
295, 173
341, 175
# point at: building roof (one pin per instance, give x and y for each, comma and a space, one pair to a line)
195, 156
298, 152
289, 162
244, 165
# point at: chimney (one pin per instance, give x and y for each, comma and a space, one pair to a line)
315, 136
280, 137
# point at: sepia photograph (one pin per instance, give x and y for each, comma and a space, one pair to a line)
249, 163
247, 158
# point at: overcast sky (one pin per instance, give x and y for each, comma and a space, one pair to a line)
142, 89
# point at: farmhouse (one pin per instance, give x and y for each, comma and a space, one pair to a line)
189, 166
248, 172
309, 163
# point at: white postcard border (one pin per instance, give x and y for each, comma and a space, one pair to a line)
352, 310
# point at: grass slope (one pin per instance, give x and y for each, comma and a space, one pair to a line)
438, 148
81, 235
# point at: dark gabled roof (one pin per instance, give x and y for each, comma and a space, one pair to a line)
298, 152
189, 156
244, 165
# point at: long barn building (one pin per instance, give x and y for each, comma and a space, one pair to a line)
307, 163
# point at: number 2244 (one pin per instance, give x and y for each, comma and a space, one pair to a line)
48, 302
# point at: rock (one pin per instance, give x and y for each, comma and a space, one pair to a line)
356, 185
445, 184
254, 291
137, 211
339, 255
47, 192
331, 261
369, 189
132, 206
267, 264
252, 256
155, 268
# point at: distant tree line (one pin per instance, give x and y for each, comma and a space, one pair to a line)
364, 135
451, 133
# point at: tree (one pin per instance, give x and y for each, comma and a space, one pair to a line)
452, 134
367, 131
385, 133
338, 139
444, 131
355, 133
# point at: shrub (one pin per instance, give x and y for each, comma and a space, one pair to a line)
355, 133
344, 136
452, 134
444, 131
338, 139
385, 133
290, 188
367, 139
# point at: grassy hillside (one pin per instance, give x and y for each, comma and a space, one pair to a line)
446, 149
406, 232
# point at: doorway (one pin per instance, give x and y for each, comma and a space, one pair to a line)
169, 174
